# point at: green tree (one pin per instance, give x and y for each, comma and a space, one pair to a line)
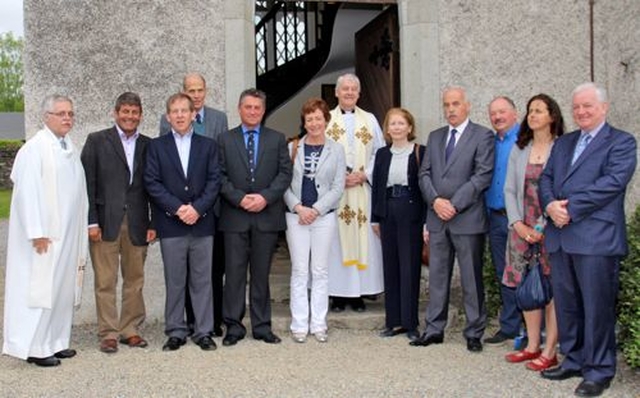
11, 96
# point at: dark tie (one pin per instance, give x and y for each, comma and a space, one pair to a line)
251, 149
450, 145
198, 127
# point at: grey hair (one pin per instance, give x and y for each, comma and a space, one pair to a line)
50, 100
456, 88
253, 92
348, 77
601, 93
505, 98
193, 75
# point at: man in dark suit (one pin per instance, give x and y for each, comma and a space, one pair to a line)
256, 171
210, 123
119, 228
183, 181
582, 190
454, 175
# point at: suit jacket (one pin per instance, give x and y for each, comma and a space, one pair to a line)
595, 186
379, 186
462, 180
272, 178
329, 178
169, 188
110, 194
215, 123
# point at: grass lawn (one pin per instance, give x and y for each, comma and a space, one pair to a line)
5, 201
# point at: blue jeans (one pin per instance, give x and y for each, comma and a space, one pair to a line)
510, 318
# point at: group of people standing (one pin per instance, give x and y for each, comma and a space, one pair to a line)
357, 202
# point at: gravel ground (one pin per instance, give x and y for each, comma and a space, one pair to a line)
354, 363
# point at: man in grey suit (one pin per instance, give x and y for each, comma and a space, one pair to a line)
256, 171
210, 123
456, 171
119, 224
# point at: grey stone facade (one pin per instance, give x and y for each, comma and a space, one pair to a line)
94, 50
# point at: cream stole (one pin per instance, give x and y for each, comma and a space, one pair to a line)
353, 210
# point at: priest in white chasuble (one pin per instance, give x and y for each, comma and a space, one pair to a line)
48, 242
355, 267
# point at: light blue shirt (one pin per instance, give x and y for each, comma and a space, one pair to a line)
256, 140
494, 196
183, 144
129, 146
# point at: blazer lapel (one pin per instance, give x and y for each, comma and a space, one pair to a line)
172, 151
600, 139
114, 140
238, 138
463, 141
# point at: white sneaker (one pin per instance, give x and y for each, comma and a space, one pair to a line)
322, 337
299, 337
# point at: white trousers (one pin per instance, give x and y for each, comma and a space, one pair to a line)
309, 248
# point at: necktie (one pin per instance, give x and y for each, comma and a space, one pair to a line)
63, 144
198, 126
450, 145
251, 149
582, 144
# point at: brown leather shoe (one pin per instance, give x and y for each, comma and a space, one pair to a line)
109, 346
134, 341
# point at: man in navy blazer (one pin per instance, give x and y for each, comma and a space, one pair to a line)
582, 190
211, 123
183, 180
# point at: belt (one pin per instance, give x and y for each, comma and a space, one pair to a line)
502, 212
398, 191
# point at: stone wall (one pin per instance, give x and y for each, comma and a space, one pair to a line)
8, 152
95, 50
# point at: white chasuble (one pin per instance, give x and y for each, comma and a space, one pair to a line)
356, 265
49, 200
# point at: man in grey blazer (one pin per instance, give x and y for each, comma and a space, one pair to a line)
456, 171
210, 123
256, 171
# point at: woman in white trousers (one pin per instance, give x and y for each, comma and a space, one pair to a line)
318, 182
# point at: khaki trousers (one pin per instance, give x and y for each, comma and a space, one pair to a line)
107, 258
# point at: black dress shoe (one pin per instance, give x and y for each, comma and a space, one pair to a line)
390, 332
338, 304
560, 373
413, 335
590, 388
206, 343
44, 362
231, 339
425, 340
357, 304
64, 354
173, 344
217, 331
269, 338
474, 345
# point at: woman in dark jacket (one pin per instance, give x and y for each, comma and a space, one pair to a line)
398, 217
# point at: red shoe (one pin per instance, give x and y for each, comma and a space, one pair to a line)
541, 363
521, 356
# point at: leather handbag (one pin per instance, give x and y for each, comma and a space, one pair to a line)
534, 291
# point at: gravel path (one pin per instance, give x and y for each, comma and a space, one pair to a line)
354, 363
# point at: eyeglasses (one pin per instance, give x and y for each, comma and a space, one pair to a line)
62, 114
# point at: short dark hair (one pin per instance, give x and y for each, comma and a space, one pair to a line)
525, 135
178, 96
128, 98
313, 104
253, 92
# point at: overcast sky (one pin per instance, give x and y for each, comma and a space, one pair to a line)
11, 18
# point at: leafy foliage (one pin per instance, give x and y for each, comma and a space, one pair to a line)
5, 201
492, 298
629, 295
11, 80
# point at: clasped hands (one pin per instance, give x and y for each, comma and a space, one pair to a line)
354, 179
253, 202
444, 209
188, 214
306, 215
558, 212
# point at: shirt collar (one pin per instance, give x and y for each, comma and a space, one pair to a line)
124, 137
179, 137
593, 132
511, 133
245, 129
461, 127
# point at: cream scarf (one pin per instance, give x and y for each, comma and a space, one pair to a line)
353, 210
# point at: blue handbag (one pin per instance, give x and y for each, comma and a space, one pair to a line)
534, 291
